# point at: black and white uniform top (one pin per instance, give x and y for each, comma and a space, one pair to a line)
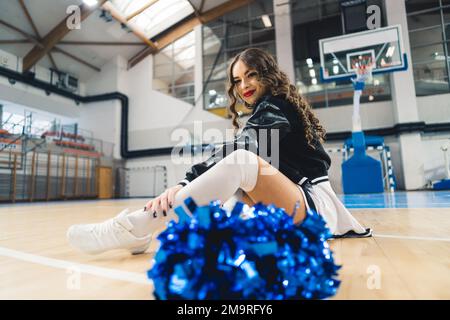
302, 164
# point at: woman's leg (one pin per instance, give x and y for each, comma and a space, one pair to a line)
240, 170
274, 187
239, 196
257, 178
246, 199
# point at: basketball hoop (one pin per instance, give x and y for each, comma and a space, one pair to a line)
362, 66
362, 54
363, 69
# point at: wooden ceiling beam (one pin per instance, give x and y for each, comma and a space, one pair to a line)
177, 33
36, 32
120, 18
187, 26
165, 40
54, 36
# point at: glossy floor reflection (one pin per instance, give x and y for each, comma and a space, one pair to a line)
409, 248
399, 199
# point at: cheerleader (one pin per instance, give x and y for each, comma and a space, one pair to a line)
294, 177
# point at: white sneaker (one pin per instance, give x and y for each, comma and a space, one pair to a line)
111, 234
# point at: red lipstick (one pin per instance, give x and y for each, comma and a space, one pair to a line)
249, 93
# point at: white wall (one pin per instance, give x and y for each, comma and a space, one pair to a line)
405, 105
103, 118
434, 157
283, 35
36, 98
29, 96
154, 115
434, 109
175, 173
373, 115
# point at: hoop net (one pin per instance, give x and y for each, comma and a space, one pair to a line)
363, 68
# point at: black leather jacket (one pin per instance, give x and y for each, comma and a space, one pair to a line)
297, 160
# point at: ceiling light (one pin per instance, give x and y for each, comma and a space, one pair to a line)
309, 62
90, 3
335, 69
212, 92
266, 20
314, 81
312, 73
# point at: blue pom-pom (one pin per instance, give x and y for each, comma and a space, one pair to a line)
249, 253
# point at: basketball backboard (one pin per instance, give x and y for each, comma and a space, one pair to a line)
340, 56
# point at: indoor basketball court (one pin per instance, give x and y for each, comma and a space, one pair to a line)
98, 98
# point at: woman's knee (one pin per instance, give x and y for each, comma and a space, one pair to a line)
245, 157
242, 156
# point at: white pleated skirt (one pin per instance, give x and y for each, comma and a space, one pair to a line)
339, 220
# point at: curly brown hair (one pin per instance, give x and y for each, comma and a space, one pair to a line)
272, 77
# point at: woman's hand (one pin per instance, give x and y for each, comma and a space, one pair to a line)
164, 201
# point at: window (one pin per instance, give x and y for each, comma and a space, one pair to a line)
429, 34
173, 69
153, 17
250, 26
313, 21
17, 120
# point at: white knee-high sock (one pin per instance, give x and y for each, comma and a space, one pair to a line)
238, 170
144, 222
231, 202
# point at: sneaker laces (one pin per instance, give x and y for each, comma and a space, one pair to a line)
101, 229
107, 226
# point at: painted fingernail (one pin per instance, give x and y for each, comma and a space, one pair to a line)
145, 208
170, 206
165, 213
154, 214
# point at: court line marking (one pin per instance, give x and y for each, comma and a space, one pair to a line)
114, 274
372, 206
411, 237
40, 210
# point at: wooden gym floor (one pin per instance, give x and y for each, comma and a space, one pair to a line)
408, 258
